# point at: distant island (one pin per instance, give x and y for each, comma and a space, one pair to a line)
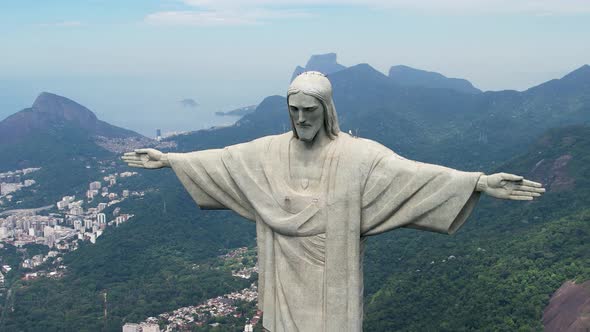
238, 111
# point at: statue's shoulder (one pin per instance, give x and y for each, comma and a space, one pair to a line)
269, 141
363, 146
262, 144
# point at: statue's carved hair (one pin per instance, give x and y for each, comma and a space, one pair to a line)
316, 84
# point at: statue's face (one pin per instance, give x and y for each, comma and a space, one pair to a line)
307, 114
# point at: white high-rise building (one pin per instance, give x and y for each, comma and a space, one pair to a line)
62, 205
47, 231
90, 194
147, 327
95, 185
101, 218
76, 211
121, 219
131, 327
77, 224
50, 240
4, 232
87, 223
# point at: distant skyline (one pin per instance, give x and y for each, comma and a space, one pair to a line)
131, 62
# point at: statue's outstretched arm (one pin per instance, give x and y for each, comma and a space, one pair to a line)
509, 186
146, 158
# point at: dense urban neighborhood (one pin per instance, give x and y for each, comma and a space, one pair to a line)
60, 227
82, 217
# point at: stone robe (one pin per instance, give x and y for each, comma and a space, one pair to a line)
310, 243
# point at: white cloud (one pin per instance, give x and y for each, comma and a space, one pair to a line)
248, 12
222, 17
62, 24
549, 7
197, 18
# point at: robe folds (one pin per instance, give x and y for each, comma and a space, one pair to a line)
311, 242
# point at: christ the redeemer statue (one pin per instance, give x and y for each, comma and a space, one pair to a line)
315, 195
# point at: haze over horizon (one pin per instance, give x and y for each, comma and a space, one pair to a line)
132, 64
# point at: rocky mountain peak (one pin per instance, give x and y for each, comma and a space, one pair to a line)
568, 308
51, 113
582, 73
63, 108
324, 63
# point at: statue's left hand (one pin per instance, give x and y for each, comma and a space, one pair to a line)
146, 158
509, 186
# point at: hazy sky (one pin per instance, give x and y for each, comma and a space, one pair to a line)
133, 61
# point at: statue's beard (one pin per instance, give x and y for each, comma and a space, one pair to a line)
306, 132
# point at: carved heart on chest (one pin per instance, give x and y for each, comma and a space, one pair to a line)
304, 183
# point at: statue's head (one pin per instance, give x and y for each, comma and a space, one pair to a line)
311, 106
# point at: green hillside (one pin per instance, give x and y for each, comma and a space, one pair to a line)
509, 259
494, 283
527, 251
164, 258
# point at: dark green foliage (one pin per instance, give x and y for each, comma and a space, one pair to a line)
504, 288
48, 148
530, 250
62, 155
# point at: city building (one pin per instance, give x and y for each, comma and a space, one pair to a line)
87, 223
91, 193
77, 224
76, 211
147, 327
131, 327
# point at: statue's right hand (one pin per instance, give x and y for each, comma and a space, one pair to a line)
146, 158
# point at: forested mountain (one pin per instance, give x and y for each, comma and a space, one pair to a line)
404, 75
51, 112
507, 261
54, 129
500, 270
473, 131
63, 138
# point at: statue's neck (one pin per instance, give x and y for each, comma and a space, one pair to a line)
319, 142
306, 162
